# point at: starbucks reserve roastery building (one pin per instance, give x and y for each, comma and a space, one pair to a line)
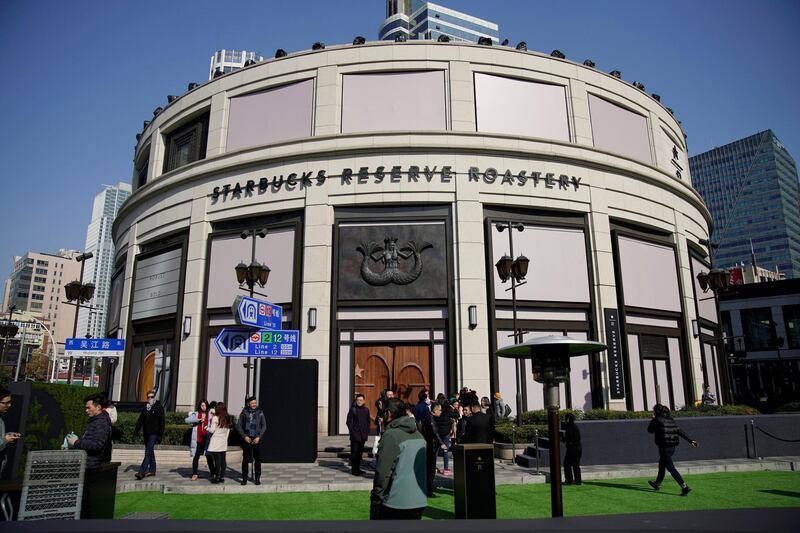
382, 174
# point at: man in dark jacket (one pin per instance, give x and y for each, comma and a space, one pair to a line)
667, 435
480, 426
398, 491
151, 422
358, 426
252, 425
96, 439
572, 457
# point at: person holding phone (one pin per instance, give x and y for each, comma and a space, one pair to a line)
5, 438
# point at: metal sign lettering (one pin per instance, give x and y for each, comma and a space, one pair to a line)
280, 344
257, 313
616, 378
94, 347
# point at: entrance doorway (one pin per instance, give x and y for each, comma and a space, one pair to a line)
403, 368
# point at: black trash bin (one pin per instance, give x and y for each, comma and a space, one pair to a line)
100, 492
473, 481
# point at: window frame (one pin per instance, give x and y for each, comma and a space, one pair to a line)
195, 133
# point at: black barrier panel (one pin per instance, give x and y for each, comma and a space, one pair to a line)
288, 397
720, 437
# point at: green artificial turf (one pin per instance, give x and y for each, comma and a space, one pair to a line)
613, 496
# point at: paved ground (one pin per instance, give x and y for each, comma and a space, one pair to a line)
332, 473
773, 520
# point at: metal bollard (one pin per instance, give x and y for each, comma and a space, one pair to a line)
753, 432
536, 447
513, 444
747, 441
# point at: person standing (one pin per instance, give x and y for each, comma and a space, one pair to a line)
5, 438
422, 415
251, 427
708, 397
199, 440
358, 427
572, 457
96, 439
667, 434
442, 429
380, 406
151, 422
480, 426
499, 407
219, 428
398, 490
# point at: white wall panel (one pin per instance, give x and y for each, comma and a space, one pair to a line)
676, 371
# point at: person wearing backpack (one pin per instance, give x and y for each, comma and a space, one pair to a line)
399, 487
499, 407
667, 436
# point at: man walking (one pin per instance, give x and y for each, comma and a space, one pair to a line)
151, 422
666, 436
251, 427
572, 457
358, 426
398, 491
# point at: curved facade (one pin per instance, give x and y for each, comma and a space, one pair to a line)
382, 173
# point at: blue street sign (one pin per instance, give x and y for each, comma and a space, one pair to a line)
281, 344
94, 347
257, 313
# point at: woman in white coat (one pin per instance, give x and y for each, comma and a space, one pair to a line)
219, 428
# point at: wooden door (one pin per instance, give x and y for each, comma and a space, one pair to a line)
405, 369
372, 373
412, 372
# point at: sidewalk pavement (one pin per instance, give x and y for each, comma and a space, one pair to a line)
332, 473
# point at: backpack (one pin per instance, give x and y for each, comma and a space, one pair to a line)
506, 410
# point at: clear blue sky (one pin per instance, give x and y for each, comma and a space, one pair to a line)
79, 77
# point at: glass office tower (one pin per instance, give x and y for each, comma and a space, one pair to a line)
751, 188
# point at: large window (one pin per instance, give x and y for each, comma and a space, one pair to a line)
186, 144
396, 101
791, 317
517, 107
649, 275
758, 328
271, 116
619, 130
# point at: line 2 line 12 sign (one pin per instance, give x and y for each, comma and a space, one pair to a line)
280, 344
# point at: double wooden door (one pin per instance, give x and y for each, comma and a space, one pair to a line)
402, 368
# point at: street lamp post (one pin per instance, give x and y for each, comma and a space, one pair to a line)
515, 270
717, 279
250, 275
550, 356
9, 330
77, 291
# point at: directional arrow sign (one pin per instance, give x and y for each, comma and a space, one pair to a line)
257, 313
268, 344
94, 347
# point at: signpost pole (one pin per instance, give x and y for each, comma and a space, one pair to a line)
250, 286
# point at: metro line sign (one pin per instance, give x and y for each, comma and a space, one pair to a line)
239, 342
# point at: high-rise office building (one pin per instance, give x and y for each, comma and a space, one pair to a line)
229, 60
751, 188
416, 19
36, 285
99, 267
